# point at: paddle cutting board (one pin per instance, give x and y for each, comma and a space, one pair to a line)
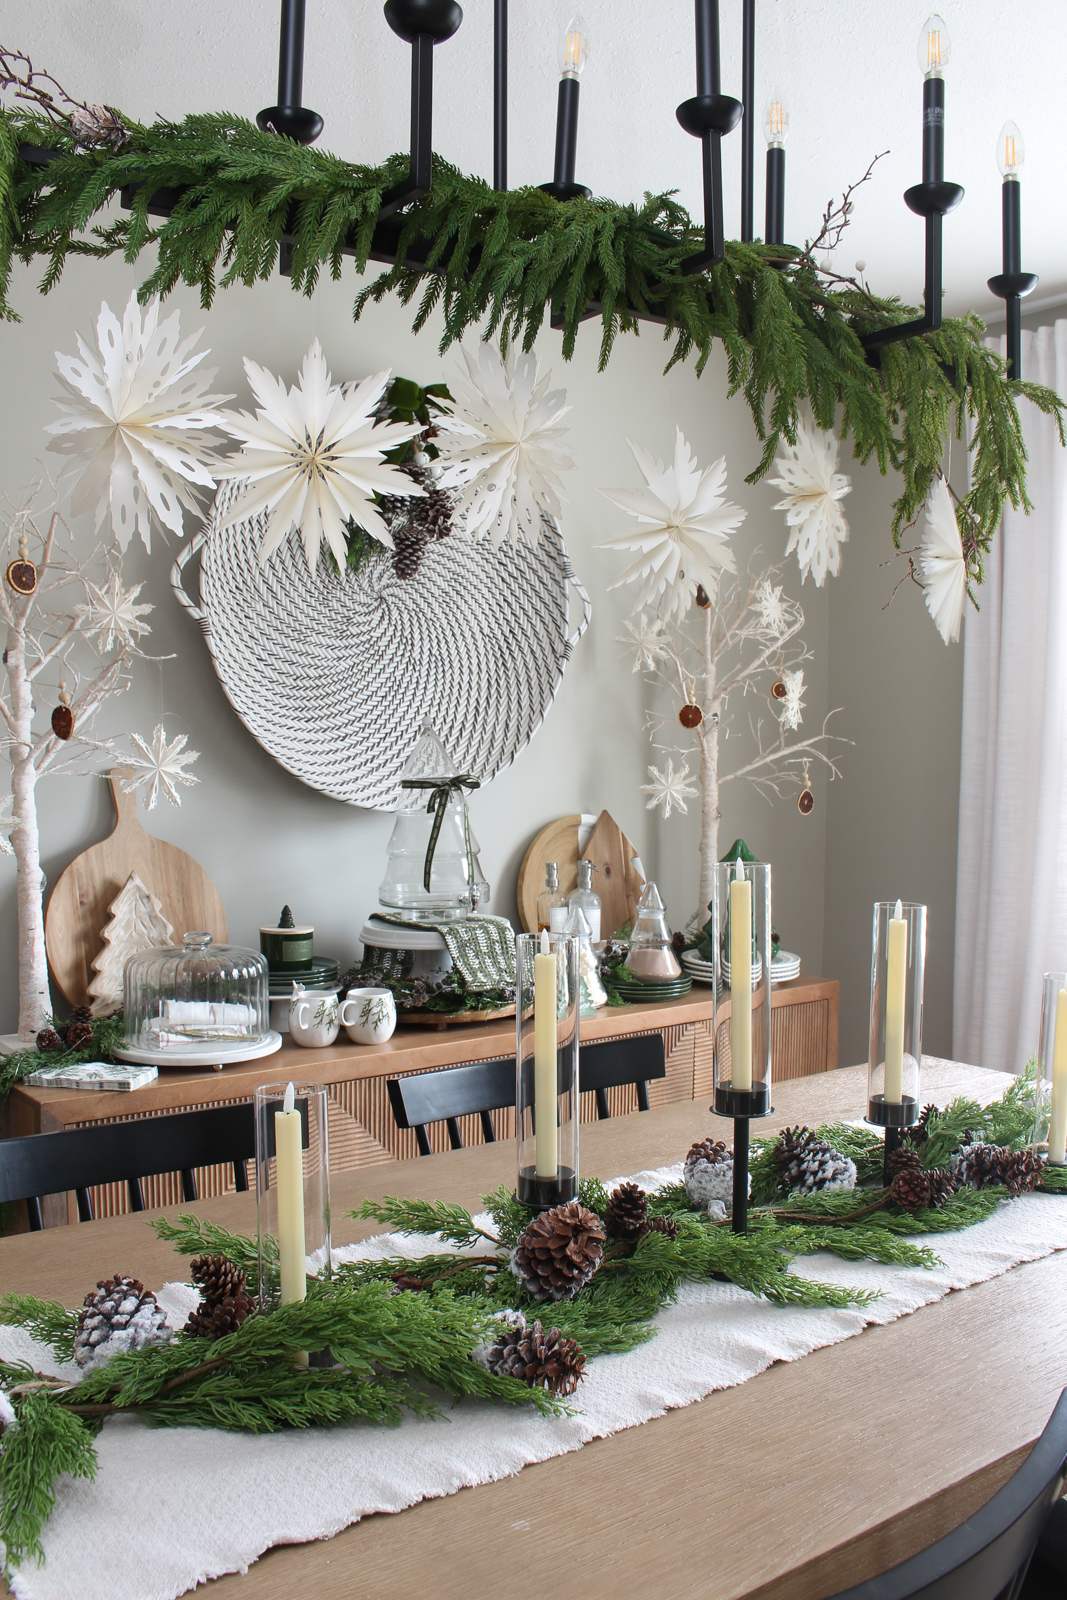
78, 908
616, 880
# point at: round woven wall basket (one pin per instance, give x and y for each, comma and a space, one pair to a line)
335, 676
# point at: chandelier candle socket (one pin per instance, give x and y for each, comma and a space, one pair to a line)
1013, 283
898, 964
776, 129
292, 1190
548, 998
573, 56
1050, 1119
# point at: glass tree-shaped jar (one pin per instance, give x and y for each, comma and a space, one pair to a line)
898, 964
431, 854
196, 992
547, 1002
652, 956
741, 917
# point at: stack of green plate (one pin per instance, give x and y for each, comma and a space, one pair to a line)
322, 974
638, 989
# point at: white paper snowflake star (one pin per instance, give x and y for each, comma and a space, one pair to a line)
942, 561
134, 424
683, 523
312, 458
112, 611
669, 788
646, 641
813, 492
792, 703
770, 607
160, 766
501, 447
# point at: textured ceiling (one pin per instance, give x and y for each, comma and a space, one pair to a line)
846, 67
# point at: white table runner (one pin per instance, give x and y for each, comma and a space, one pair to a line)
169, 1510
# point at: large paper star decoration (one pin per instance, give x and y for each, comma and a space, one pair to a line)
669, 788
159, 766
941, 560
814, 489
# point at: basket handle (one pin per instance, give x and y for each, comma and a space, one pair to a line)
587, 609
185, 555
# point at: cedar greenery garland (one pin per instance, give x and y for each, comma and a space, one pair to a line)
502, 261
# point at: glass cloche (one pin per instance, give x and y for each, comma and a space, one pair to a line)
195, 992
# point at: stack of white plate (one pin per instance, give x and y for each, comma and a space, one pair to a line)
784, 968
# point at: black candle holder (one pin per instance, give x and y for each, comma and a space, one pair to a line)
289, 117
572, 58
742, 1107
1012, 284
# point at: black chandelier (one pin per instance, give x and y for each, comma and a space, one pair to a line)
709, 116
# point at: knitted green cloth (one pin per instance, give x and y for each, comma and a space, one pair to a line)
482, 947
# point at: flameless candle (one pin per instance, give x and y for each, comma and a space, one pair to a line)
1057, 1128
740, 980
288, 1146
546, 1146
896, 970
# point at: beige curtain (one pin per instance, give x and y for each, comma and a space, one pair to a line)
1011, 888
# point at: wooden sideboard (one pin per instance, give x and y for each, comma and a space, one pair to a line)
362, 1130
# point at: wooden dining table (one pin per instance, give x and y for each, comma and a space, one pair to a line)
813, 1475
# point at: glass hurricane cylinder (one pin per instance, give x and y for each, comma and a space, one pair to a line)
894, 1059
547, 1002
741, 923
1050, 1109
292, 1190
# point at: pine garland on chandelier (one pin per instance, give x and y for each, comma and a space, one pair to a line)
501, 261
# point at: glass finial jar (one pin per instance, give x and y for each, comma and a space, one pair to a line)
431, 854
652, 954
195, 991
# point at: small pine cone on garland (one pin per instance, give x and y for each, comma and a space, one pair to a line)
919, 1132
48, 1039
224, 1302
626, 1214
665, 1225
910, 1189
217, 1277
810, 1165
119, 1315
541, 1360
79, 1034
558, 1252
710, 1150
709, 1177
98, 127
903, 1159
942, 1185
82, 1014
978, 1166
404, 1280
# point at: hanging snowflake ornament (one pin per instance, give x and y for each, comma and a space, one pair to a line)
312, 458
814, 490
159, 766
113, 611
669, 788
683, 524
769, 606
134, 424
789, 716
941, 559
501, 446
646, 640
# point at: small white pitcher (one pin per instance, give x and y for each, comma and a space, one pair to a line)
313, 1018
369, 1015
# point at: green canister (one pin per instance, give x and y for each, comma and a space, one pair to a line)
288, 948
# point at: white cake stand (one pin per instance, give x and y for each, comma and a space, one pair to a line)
215, 1053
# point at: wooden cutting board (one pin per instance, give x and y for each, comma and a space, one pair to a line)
78, 907
616, 880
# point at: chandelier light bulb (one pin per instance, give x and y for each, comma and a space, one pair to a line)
1011, 151
574, 47
776, 121
935, 47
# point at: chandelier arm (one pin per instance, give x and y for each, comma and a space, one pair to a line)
423, 23
748, 125
707, 117
290, 117
500, 94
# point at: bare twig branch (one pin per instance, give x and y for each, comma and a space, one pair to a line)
837, 217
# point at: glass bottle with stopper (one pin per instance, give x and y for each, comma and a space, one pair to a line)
652, 954
551, 902
586, 897
593, 993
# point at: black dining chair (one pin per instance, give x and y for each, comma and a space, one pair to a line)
987, 1557
487, 1086
125, 1152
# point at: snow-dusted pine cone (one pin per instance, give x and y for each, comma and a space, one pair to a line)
665, 1225
98, 127
220, 1318
980, 1165
626, 1214
711, 1151
542, 1360
218, 1278
808, 1163
558, 1252
120, 1315
709, 1177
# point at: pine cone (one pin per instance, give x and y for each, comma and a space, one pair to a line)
942, 1185
558, 1252
903, 1159
980, 1165
918, 1133
415, 523
98, 127
219, 1279
120, 1315
48, 1039
809, 1164
404, 1281
540, 1359
82, 1014
665, 1225
709, 1176
626, 1214
710, 1150
792, 1143
1022, 1172
910, 1189
79, 1034
223, 1317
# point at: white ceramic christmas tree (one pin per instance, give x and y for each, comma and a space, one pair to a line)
135, 923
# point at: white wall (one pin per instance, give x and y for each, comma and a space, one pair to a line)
263, 836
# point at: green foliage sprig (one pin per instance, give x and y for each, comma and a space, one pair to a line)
108, 1034
504, 261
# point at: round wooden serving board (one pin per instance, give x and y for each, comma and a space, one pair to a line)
446, 1019
78, 908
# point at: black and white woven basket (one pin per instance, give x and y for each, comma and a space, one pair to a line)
335, 677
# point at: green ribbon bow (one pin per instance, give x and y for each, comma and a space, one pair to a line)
442, 790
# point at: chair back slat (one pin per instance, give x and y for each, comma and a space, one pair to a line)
986, 1557
608, 1063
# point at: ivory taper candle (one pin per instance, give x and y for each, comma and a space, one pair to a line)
290, 1185
740, 980
546, 1143
895, 976
1057, 1128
